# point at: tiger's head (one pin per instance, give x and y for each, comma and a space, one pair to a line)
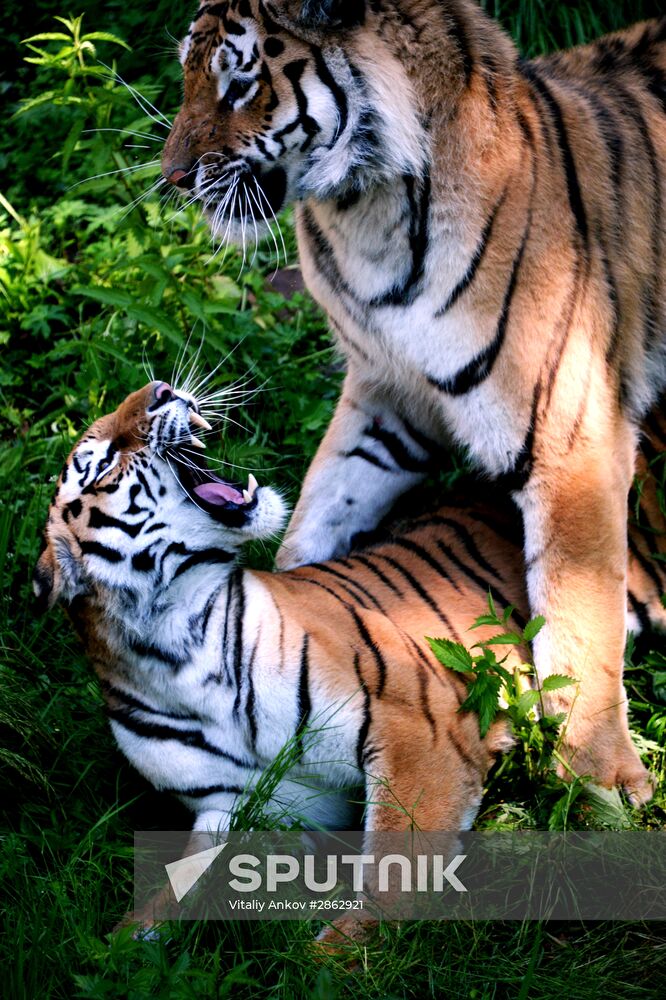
287, 100
136, 504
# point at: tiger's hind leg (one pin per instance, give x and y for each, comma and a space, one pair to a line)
423, 776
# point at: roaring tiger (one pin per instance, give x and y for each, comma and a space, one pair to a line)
486, 235
208, 669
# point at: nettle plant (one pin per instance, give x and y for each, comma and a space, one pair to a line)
495, 687
525, 789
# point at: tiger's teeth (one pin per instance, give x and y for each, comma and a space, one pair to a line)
196, 442
247, 497
198, 421
251, 485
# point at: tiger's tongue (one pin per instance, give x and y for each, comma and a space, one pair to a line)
218, 493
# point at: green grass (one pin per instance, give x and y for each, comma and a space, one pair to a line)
85, 294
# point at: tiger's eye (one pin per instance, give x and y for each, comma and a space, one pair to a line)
236, 90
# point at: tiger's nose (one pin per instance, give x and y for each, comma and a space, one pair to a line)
162, 394
182, 178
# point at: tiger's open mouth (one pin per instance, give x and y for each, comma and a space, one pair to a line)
228, 503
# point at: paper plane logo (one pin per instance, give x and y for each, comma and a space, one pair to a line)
185, 873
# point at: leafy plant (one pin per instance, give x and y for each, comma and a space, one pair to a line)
494, 688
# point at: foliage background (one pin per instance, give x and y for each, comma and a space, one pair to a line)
90, 284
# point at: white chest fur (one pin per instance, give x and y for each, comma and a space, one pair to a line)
383, 274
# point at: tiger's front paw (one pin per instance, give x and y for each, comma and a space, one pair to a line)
297, 550
610, 763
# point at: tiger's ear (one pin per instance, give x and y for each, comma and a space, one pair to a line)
332, 13
57, 576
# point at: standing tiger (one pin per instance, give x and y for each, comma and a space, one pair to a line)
486, 235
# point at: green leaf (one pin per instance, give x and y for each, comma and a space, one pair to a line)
157, 320
105, 36
483, 698
555, 681
48, 36
452, 654
504, 639
508, 611
533, 627
659, 685
484, 620
107, 296
526, 702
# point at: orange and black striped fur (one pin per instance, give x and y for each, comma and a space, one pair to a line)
209, 669
486, 235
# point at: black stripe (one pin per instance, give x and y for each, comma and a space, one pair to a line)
640, 611
368, 457
462, 753
133, 702
330, 591
427, 443
74, 507
419, 224
632, 108
103, 551
293, 71
225, 629
646, 565
239, 614
475, 262
202, 558
198, 623
480, 367
573, 187
349, 581
250, 713
458, 32
367, 562
480, 582
337, 92
324, 256
374, 649
187, 737
511, 529
144, 561
133, 507
303, 705
367, 717
396, 448
153, 652
348, 340
425, 703
202, 792
155, 527
426, 557
466, 540
580, 278
415, 585
144, 482
440, 673
517, 477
